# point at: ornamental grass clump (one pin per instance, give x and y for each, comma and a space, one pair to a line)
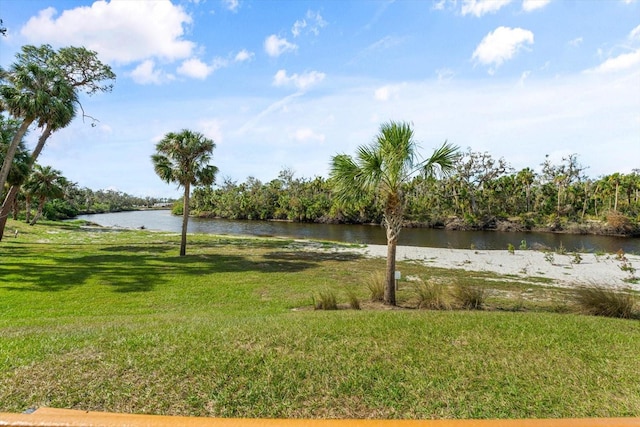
608, 302
376, 284
431, 295
469, 297
326, 300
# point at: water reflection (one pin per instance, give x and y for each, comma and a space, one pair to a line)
372, 234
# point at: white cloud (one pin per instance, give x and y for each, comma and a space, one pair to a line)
481, 7
384, 43
306, 135
300, 81
146, 73
619, 63
313, 22
298, 26
576, 42
212, 129
244, 55
523, 77
195, 68
531, 5
120, 31
439, 5
501, 45
231, 5
385, 93
445, 74
276, 46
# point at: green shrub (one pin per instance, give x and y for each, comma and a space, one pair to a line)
549, 257
469, 297
601, 301
431, 295
326, 301
58, 209
511, 249
177, 208
628, 267
376, 285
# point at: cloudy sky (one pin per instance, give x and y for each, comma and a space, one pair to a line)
288, 84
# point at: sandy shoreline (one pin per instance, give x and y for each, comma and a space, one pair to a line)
592, 270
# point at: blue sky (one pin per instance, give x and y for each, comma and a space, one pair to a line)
288, 84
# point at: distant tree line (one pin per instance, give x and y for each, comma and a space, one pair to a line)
481, 193
45, 192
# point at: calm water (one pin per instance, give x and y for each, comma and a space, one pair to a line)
164, 221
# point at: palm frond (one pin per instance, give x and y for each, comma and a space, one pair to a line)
347, 176
442, 161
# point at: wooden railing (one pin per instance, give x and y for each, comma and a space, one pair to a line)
50, 417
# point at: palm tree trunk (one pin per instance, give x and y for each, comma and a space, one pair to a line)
15, 208
11, 151
6, 208
390, 287
40, 145
39, 213
185, 220
27, 208
394, 213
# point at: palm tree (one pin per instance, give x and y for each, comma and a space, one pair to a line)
384, 167
183, 158
45, 183
58, 114
30, 93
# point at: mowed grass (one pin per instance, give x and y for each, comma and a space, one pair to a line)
117, 321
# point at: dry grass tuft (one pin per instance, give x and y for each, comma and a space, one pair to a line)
376, 284
431, 295
326, 300
601, 301
469, 297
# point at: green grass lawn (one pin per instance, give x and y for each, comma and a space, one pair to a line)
117, 321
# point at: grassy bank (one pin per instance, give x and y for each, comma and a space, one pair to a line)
116, 321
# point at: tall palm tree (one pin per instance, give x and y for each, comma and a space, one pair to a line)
384, 167
58, 114
45, 183
183, 158
31, 93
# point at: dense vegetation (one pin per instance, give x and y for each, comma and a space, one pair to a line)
482, 193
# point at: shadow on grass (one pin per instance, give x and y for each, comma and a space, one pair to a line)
313, 256
138, 268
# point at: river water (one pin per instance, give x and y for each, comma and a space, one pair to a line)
162, 220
